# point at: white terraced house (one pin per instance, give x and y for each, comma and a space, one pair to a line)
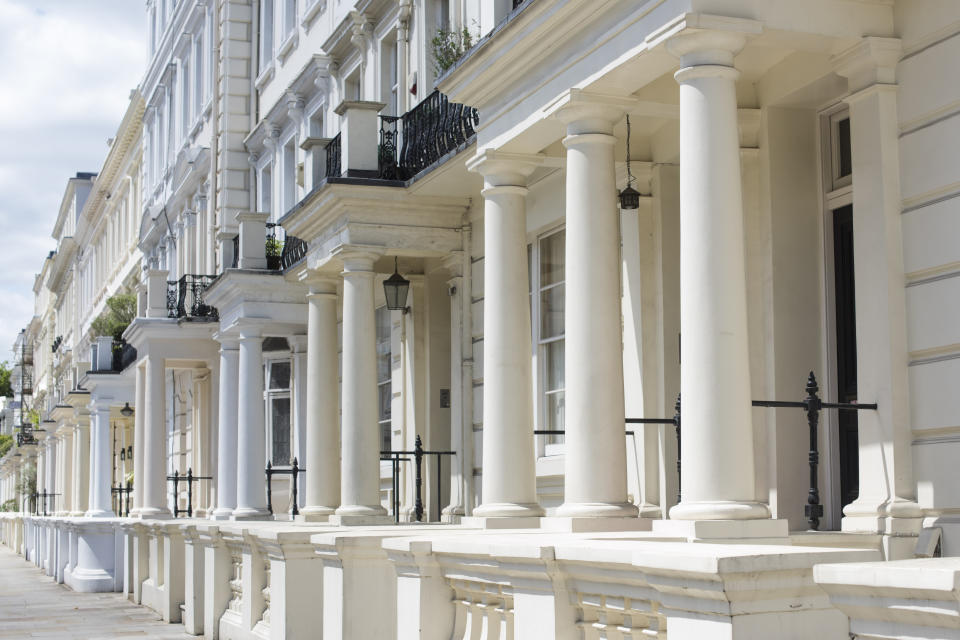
469, 318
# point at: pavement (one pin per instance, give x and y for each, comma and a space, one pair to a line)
32, 605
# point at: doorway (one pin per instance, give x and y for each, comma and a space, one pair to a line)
845, 319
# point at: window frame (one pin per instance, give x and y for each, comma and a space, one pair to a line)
270, 359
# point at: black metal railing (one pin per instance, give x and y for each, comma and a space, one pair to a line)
190, 479
396, 457
41, 497
282, 249
412, 142
236, 252
812, 406
333, 157
185, 297
294, 472
25, 436
122, 498
123, 356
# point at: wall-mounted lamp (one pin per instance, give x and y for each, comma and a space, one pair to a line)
127, 410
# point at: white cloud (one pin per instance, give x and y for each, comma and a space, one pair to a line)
68, 70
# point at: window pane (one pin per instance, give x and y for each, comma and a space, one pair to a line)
551, 312
553, 378
384, 401
280, 375
552, 250
555, 408
844, 157
280, 421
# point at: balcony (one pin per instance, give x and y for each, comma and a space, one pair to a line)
422, 136
185, 298
109, 356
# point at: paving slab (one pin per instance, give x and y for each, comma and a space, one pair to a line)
32, 605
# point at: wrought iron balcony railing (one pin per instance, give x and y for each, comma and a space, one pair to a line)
333, 157
123, 356
283, 249
184, 298
412, 142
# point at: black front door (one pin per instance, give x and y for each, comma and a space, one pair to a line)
846, 331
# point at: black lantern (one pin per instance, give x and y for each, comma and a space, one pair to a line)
629, 197
123, 454
127, 410
130, 452
395, 289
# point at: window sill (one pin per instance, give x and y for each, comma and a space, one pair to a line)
288, 45
265, 76
314, 10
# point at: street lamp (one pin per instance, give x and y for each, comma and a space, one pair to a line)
395, 289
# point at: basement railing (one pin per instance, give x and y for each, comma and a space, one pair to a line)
395, 458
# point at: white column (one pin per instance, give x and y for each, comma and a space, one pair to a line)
509, 476
66, 457
887, 498
595, 481
138, 438
81, 465
298, 389
323, 417
718, 480
459, 420
100, 466
154, 478
360, 446
251, 428
227, 429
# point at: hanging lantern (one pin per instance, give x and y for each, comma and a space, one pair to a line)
395, 289
629, 197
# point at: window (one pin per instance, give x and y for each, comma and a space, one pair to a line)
384, 375
278, 411
390, 86
266, 33
289, 176
185, 100
265, 189
289, 17
316, 123
351, 86
198, 84
841, 157
547, 298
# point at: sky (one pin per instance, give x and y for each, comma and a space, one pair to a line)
68, 69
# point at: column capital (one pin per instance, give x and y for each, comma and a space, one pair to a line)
320, 283
358, 258
298, 344
453, 262
871, 61
228, 341
705, 39
588, 112
501, 169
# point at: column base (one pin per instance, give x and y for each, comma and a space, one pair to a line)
251, 513
98, 514
501, 522
568, 524
315, 514
763, 531
221, 514
590, 510
153, 513
508, 510
359, 520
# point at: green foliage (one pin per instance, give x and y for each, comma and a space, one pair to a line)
27, 484
121, 310
9, 505
31, 416
6, 389
6, 442
274, 247
448, 47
